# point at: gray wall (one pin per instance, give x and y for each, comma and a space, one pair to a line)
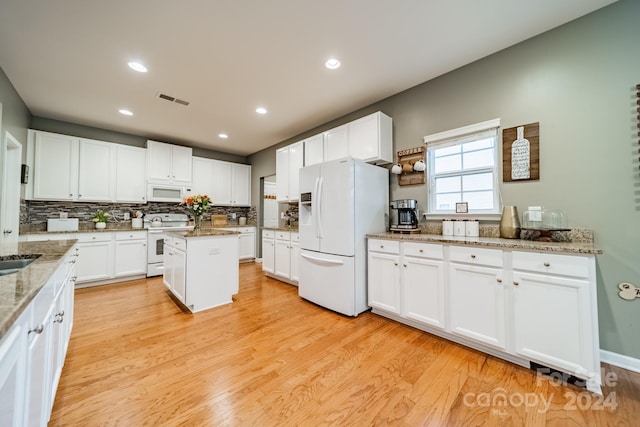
16, 117
578, 81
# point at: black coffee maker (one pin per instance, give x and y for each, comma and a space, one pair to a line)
407, 215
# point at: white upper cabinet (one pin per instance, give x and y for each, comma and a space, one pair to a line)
169, 163
131, 174
231, 184
55, 166
289, 160
70, 168
96, 171
371, 138
314, 150
336, 143
203, 176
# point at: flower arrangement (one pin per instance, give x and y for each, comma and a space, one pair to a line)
197, 205
100, 216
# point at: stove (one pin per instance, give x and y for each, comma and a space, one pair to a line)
157, 225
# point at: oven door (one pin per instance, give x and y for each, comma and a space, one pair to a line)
155, 247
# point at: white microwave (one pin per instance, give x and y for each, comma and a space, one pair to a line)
166, 192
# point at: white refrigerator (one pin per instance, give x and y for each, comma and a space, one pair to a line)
341, 201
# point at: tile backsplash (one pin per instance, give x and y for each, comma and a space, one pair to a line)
34, 213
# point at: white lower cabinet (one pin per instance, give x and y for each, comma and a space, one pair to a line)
384, 281
422, 276
96, 260
477, 304
268, 251
13, 361
408, 280
521, 306
175, 267
32, 353
247, 243
562, 335
106, 257
130, 254
281, 255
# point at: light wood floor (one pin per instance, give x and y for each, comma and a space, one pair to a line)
272, 359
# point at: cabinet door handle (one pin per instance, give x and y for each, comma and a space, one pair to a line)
516, 284
499, 280
38, 329
404, 265
546, 264
395, 263
473, 257
381, 246
421, 250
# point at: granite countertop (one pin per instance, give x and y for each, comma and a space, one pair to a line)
232, 225
18, 289
203, 232
495, 242
292, 229
83, 228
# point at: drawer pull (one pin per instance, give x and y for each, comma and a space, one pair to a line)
404, 264
395, 263
421, 250
38, 329
516, 284
473, 257
381, 246
546, 264
499, 280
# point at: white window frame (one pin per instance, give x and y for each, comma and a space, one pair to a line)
459, 136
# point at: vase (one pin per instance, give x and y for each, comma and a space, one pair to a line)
510, 223
101, 224
197, 222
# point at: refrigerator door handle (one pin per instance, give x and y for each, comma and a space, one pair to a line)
314, 207
319, 211
322, 260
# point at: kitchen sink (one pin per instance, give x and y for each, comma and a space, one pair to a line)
13, 263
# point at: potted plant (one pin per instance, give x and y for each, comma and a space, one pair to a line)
100, 218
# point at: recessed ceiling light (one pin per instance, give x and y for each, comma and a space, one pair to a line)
137, 66
223, 135
332, 63
125, 112
261, 110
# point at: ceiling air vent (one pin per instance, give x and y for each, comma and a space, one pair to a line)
173, 99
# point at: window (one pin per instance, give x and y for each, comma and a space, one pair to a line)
462, 167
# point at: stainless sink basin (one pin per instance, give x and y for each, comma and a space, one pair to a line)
12, 264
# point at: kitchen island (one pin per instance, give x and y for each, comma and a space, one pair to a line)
201, 267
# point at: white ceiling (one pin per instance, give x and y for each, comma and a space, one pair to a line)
68, 58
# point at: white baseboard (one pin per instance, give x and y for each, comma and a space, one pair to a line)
620, 360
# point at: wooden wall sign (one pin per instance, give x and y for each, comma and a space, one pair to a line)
406, 159
521, 153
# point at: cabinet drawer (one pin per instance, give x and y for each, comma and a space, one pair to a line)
131, 235
568, 265
423, 250
94, 237
174, 242
476, 255
295, 237
268, 234
245, 229
384, 246
283, 235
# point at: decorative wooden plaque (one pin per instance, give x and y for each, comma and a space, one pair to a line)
406, 159
521, 153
